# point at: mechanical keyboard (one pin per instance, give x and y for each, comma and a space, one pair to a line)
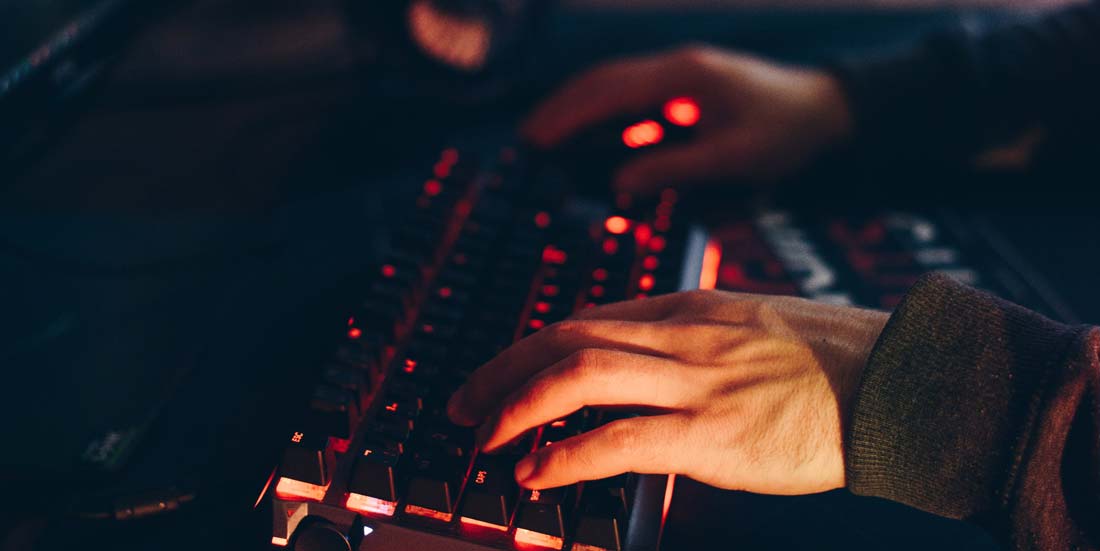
488, 251
483, 257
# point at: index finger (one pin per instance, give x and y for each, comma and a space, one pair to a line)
491, 383
619, 87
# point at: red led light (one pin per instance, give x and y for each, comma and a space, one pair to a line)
445, 292
391, 407
662, 223
288, 488
427, 328
588, 305
664, 210
599, 274
550, 290
610, 245
526, 539
646, 282
642, 233
473, 522
370, 505
339, 445
650, 263
616, 225
596, 291
433, 188
542, 307
429, 513
712, 259
669, 195
410, 365
657, 244
560, 423
449, 156
441, 170
542, 220
355, 333
553, 255
643, 134
388, 270
536, 324
682, 111
351, 321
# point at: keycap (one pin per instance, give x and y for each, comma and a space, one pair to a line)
307, 458
435, 479
371, 486
602, 515
352, 379
541, 517
334, 410
491, 492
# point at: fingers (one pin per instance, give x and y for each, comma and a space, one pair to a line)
492, 382
589, 377
653, 444
621, 87
705, 159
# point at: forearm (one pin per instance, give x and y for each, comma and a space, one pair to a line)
976, 409
958, 93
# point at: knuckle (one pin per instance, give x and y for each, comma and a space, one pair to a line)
582, 363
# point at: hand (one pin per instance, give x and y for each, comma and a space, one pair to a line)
760, 121
753, 391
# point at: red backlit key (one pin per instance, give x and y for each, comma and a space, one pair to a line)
491, 492
541, 518
602, 515
435, 479
372, 478
307, 458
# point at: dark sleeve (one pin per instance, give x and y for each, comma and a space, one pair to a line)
974, 408
960, 92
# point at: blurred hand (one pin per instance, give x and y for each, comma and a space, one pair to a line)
760, 121
753, 391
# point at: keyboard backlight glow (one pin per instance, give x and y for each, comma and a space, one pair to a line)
542, 307
288, 488
599, 274
536, 324
542, 220
280, 542
370, 505
467, 521
643, 134
388, 270
616, 225
642, 233
712, 259
585, 547
646, 282
433, 188
429, 513
657, 244
355, 333
610, 245
682, 111
650, 263
530, 538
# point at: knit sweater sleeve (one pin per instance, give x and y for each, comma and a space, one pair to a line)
961, 91
977, 409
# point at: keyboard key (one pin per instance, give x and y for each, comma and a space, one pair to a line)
371, 487
541, 518
602, 516
435, 479
334, 410
491, 492
306, 467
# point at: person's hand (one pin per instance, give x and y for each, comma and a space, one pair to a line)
752, 391
760, 121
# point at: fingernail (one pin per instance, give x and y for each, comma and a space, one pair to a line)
525, 468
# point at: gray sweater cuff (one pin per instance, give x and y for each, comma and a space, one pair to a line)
947, 404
